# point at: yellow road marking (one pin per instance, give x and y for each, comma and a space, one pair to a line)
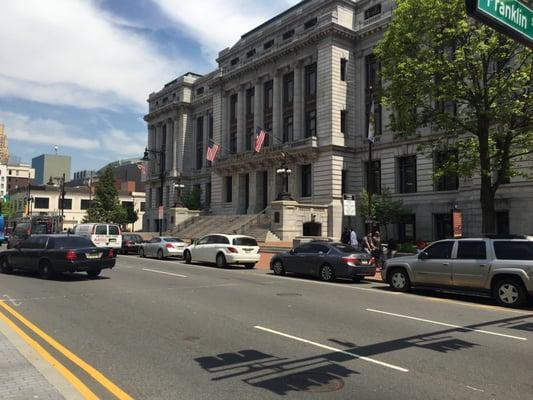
97, 375
69, 376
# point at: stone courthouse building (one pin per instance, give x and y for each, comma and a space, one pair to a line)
306, 77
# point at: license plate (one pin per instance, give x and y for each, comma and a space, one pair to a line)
248, 250
112, 240
92, 255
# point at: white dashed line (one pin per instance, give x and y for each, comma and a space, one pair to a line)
163, 272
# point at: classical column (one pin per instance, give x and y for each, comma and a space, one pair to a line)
241, 119
174, 146
205, 139
168, 155
258, 105
277, 112
298, 102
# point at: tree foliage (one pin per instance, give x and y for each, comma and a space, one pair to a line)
192, 198
385, 210
469, 85
105, 206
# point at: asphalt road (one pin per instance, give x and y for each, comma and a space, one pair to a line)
166, 330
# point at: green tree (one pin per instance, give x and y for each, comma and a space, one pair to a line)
5, 209
105, 206
192, 198
384, 209
471, 86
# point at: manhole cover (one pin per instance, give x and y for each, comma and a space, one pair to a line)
288, 294
314, 382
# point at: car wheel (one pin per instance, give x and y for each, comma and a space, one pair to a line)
399, 280
160, 255
5, 268
188, 258
509, 293
94, 273
221, 261
358, 279
45, 270
249, 266
278, 268
141, 253
327, 273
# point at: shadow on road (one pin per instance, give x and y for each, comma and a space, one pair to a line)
65, 277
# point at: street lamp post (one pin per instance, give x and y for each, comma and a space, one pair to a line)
146, 157
284, 172
178, 186
62, 193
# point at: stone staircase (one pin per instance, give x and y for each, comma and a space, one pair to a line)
256, 226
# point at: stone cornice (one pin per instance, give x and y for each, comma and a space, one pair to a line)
169, 108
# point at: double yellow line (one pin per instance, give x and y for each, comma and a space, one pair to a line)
69, 376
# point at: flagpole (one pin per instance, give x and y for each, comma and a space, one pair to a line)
370, 138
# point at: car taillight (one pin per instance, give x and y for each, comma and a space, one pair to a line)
169, 245
233, 250
71, 255
351, 260
372, 261
110, 253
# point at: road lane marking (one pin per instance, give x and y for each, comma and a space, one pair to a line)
163, 272
446, 324
94, 373
367, 359
69, 376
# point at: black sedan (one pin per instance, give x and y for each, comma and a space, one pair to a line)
326, 260
52, 254
131, 243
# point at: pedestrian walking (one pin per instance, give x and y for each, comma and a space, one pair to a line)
368, 244
353, 238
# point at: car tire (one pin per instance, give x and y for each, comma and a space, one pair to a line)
327, 273
249, 266
93, 274
46, 271
509, 292
141, 253
399, 280
187, 257
160, 255
221, 261
278, 268
358, 279
5, 268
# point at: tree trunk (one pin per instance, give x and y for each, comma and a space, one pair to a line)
488, 215
487, 192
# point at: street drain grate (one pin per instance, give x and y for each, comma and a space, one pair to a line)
288, 294
314, 382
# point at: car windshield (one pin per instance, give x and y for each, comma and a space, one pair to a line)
172, 240
344, 248
244, 241
71, 242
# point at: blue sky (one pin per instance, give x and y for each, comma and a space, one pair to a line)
76, 73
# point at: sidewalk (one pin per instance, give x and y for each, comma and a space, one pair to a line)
19, 379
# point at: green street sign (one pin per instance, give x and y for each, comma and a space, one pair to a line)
511, 17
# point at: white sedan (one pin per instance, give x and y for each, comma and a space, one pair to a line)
224, 250
162, 247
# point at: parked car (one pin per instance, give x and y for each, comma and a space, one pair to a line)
224, 250
499, 265
102, 235
325, 260
52, 254
162, 247
131, 243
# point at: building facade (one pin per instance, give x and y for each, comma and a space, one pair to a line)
45, 200
19, 176
307, 77
4, 150
51, 166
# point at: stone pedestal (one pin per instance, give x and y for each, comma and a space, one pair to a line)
181, 214
283, 219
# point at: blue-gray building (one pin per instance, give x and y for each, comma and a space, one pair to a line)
50, 166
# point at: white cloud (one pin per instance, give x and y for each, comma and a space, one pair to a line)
113, 142
70, 52
219, 24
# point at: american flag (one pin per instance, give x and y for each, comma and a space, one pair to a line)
212, 151
260, 136
142, 168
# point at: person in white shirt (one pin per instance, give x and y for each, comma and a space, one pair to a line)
353, 239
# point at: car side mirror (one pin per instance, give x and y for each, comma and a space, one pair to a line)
423, 256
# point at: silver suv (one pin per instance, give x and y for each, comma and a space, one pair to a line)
499, 265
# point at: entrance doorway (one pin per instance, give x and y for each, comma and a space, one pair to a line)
312, 229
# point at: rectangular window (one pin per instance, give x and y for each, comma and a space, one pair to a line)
233, 124
407, 229
407, 174
372, 11
288, 89
514, 250
229, 189
208, 194
250, 133
373, 176
41, 203
233, 107
85, 204
344, 63
269, 97
310, 82
372, 85
288, 34
343, 121
268, 45
200, 90
310, 23
502, 222
143, 206
443, 227
450, 180
310, 123
67, 204
233, 142
287, 129
127, 204
199, 142
251, 53
234, 61
250, 94
344, 187
306, 180
471, 250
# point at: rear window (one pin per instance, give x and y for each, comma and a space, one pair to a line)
344, 248
113, 230
101, 230
71, 242
244, 241
514, 250
40, 229
172, 240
